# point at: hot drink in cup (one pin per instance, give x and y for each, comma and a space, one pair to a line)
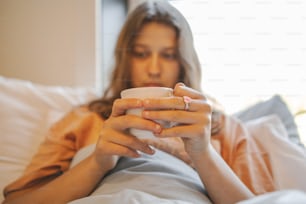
146, 92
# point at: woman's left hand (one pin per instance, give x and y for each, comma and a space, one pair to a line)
190, 111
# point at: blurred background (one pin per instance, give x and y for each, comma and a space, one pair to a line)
250, 50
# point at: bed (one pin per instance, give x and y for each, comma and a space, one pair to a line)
27, 110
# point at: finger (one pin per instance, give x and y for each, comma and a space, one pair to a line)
184, 131
179, 116
126, 141
119, 150
181, 90
177, 103
120, 106
125, 122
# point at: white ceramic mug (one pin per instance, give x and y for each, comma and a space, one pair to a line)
145, 92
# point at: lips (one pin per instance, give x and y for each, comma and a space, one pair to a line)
150, 84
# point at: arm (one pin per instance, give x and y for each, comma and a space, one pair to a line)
194, 127
112, 141
220, 181
44, 179
75, 183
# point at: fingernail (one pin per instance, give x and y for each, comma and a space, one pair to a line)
181, 84
152, 151
158, 128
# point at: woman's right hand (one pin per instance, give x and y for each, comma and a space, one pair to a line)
115, 139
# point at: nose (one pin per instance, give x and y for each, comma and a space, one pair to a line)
154, 66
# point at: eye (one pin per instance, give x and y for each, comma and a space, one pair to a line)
169, 56
140, 54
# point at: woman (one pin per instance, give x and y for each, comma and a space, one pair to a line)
154, 48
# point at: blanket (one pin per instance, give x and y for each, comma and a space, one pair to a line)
162, 178
159, 178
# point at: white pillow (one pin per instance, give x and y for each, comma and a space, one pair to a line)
275, 105
288, 160
26, 112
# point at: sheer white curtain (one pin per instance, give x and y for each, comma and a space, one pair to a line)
250, 49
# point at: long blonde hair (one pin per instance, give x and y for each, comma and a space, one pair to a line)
149, 11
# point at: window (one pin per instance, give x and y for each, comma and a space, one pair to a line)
250, 49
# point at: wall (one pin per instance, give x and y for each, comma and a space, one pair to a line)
113, 16
48, 41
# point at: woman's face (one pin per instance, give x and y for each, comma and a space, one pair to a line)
154, 60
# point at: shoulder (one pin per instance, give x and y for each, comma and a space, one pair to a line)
76, 117
78, 127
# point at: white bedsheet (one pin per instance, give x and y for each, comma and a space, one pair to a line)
160, 178
164, 179
279, 197
288, 160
